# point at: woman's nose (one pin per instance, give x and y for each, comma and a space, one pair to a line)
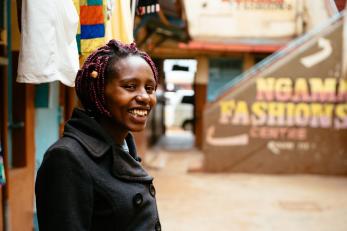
143, 97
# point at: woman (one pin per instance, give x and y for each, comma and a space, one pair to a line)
92, 179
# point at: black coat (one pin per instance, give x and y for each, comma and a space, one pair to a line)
87, 182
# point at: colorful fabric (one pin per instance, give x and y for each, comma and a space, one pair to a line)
89, 45
91, 15
92, 25
147, 7
94, 2
101, 21
92, 31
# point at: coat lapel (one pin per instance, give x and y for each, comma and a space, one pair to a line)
97, 143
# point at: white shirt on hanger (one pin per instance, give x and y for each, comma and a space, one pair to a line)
48, 42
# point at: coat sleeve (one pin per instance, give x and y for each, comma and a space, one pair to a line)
64, 193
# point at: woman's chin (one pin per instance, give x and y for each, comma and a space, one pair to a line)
137, 128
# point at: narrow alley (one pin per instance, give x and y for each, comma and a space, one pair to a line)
191, 200
238, 109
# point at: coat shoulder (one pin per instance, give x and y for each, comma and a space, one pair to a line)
65, 152
65, 145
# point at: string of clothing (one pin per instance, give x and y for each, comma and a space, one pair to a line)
57, 35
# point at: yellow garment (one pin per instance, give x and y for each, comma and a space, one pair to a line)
89, 45
77, 6
120, 25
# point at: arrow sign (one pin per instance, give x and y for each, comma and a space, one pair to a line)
324, 53
225, 141
277, 147
273, 148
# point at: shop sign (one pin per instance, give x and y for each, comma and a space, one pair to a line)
244, 18
293, 113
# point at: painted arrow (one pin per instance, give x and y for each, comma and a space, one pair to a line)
273, 148
225, 141
324, 53
277, 146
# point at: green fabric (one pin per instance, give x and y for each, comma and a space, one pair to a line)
2, 171
94, 2
78, 39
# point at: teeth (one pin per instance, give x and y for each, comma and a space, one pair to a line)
139, 112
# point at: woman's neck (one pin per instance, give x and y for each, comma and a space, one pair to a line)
117, 133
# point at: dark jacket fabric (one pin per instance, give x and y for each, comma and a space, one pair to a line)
87, 182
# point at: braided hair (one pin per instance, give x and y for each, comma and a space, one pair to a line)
92, 77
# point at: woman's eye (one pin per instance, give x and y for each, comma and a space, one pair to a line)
149, 89
130, 87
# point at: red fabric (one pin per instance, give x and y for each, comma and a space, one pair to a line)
90, 15
340, 4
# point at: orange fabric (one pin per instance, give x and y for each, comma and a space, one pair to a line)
90, 15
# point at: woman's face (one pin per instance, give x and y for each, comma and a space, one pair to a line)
130, 94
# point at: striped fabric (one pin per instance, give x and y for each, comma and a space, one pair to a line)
91, 33
100, 21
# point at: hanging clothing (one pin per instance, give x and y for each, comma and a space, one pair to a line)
121, 23
101, 21
147, 7
91, 33
48, 42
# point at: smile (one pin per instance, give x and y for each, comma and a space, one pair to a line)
138, 112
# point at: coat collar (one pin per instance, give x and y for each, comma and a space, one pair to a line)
97, 142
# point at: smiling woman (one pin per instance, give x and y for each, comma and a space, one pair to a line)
130, 94
92, 179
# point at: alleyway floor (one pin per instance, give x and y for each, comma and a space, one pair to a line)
198, 201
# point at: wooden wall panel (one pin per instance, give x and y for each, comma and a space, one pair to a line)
21, 175
21, 193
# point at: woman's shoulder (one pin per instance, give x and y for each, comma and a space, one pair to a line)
65, 144
62, 166
64, 155
65, 149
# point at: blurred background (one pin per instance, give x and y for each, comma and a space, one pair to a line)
249, 132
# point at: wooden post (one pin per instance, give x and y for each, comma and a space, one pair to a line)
21, 192
200, 89
4, 138
248, 61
